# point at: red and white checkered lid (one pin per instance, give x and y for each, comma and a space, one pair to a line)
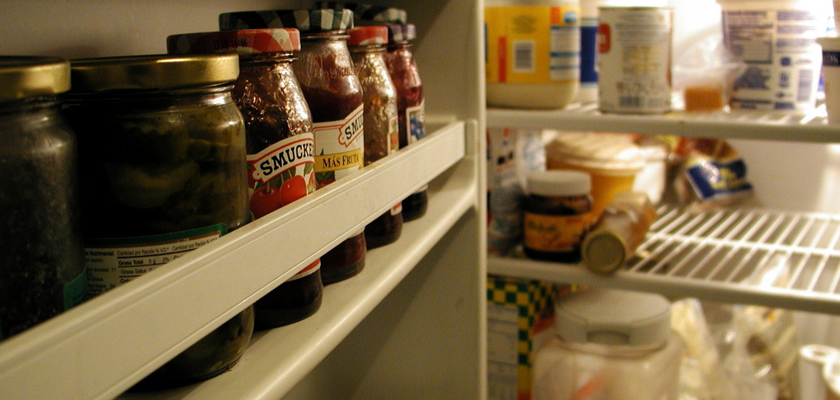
243, 42
368, 36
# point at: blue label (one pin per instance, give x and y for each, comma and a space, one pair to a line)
588, 46
711, 179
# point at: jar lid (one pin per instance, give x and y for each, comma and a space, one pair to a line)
614, 317
559, 183
27, 76
368, 36
402, 32
307, 21
242, 42
369, 12
605, 152
152, 72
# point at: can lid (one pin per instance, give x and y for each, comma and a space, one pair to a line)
27, 76
368, 12
242, 42
402, 32
603, 251
559, 183
614, 317
307, 21
368, 36
152, 72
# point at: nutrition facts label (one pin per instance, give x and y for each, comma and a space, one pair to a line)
113, 262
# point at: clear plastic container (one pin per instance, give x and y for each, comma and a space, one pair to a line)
610, 344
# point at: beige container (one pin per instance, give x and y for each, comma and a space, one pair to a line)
612, 161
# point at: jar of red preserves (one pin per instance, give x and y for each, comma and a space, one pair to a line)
162, 170
410, 103
279, 143
324, 69
367, 47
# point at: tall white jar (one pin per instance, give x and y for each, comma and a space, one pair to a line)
532, 53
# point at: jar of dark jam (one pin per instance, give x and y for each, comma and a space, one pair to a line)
279, 142
556, 214
367, 47
42, 270
324, 69
162, 170
410, 103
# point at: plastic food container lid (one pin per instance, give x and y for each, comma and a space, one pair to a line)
597, 151
307, 21
243, 42
369, 12
368, 36
614, 317
28, 76
559, 183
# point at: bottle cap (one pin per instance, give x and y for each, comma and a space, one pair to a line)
242, 42
307, 21
555, 183
28, 76
368, 36
152, 72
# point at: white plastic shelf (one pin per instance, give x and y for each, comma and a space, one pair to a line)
777, 125
102, 347
711, 255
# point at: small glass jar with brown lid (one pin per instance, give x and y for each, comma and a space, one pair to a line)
367, 47
556, 215
325, 71
280, 145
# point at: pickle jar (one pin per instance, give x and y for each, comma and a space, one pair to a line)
324, 69
279, 142
42, 271
410, 104
367, 47
162, 170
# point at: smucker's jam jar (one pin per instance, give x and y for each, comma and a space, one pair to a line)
280, 145
42, 269
367, 47
410, 103
324, 69
162, 169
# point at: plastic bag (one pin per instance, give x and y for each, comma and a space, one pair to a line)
705, 73
710, 173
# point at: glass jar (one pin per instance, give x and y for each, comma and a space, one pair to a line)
367, 47
162, 169
279, 142
324, 69
42, 271
410, 104
556, 215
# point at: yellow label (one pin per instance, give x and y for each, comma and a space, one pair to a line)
554, 233
532, 44
339, 161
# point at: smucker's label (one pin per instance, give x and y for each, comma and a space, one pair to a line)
339, 147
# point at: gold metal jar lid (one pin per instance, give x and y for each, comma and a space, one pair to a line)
28, 76
152, 72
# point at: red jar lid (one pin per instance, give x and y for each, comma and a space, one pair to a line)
368, 36
243, 42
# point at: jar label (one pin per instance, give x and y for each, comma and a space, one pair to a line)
415, 117
532, 44
339, 147
75, 291
281, 173
113, 262
555, 233
393, 135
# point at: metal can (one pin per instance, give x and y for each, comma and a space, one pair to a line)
634, 59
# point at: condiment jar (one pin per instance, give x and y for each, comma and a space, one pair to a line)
324, 69
609, 344
410, 104
279, 142
367, 47
162, 161
556, 215
619, 232
42, 270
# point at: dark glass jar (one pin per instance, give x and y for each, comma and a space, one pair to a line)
279, 142
410, 104
42, 270
162, 169
556, 214
324, 69
367, 47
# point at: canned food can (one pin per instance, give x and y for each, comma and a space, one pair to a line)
634, 59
